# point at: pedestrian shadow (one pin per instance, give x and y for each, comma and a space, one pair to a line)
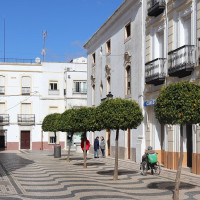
75, 158
90, 164
168, 185
120, 172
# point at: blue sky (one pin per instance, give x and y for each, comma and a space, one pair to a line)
69, 24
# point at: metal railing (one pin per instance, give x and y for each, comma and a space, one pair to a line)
26, 90
155, 69
4, 119
79, 90
17, 60
2, 89
155, 7
181, 58
54, 92
26, 119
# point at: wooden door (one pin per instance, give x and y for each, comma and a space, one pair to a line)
25, 139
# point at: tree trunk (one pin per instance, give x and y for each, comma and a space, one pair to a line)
178, 173
70, 144
84, 155
55, 138
116, 156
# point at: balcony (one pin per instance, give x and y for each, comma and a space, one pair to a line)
155, 71
182, 61
26, 119
156, 7
26, 90
79, 91
2, 90
54, 92
4, 119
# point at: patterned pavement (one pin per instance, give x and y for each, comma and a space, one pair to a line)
28, 175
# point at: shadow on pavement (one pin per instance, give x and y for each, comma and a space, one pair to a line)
77, 158
120, 172
10, 162
90, 164
168, 185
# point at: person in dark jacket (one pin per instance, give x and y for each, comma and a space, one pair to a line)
96, 147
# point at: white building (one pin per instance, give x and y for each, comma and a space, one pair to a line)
30, 91
116, 65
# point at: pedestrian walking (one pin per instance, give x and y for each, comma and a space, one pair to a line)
102, 146
96, 147
87, 145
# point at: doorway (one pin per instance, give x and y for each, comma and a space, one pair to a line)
2, 141
25, 139
108, 142
189, 145
129, 144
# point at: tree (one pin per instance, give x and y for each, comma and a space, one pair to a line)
116, 114
179, 103
86, 122
51, 123
68, 123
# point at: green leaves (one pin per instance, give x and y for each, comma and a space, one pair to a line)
51, 122
118, 114
179, 103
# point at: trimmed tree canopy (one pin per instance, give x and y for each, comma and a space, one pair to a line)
51, 122
119, 114
87, 119
179, 103
68, 122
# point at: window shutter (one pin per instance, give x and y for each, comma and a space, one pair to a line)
26, 108
2, 81
26, 81
2, 108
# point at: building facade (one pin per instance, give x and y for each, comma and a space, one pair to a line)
172, 42
28, 92
115, 60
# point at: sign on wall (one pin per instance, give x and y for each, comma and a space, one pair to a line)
150, 102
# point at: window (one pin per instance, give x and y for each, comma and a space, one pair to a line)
128, 80
53, 86
80, 87
2, 108
2, 84
52, 138
127, 31
25, 108
108, 84
93, 59
108, 46
26, 85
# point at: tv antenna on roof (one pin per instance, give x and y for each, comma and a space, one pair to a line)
44, 50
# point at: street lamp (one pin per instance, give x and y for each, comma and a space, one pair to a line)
108, 96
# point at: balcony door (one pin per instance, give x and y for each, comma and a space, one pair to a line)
187, 31
26, 85
161, 44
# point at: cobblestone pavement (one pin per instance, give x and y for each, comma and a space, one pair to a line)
38, 175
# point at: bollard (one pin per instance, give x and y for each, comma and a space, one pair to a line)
57, 151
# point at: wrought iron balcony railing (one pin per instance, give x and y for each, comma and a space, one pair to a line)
182, 61
26, 119
155, 71
54, 92
79, 90
26, 90
4, 119
2, 90
155, 7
